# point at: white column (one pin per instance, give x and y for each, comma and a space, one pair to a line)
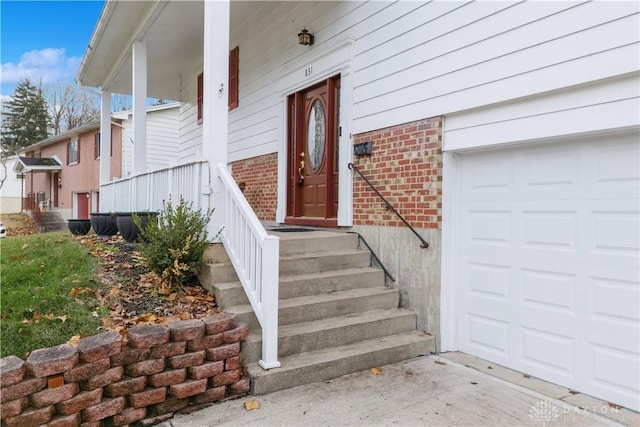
105, 138
139, 59
215, 109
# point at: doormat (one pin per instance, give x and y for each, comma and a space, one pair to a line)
291, 230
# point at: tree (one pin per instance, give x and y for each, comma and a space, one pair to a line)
24, 118
71, 107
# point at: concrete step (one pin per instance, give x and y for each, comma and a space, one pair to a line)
231, 293
333, 362
294, 243
314, 241
318, 334
315, 262
221, 272
314, 307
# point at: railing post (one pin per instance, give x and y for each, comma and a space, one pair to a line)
270, 285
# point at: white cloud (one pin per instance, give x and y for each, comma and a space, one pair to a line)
47, 66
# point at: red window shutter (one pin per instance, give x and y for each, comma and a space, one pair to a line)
234, 72
200, 97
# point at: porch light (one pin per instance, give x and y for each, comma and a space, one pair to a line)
305, 38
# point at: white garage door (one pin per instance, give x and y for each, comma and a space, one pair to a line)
548, 262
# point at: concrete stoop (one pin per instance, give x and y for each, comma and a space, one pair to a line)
53, 221
336, 316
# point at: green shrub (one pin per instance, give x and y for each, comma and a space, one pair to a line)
172, 245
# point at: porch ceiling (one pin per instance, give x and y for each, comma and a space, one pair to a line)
173, 32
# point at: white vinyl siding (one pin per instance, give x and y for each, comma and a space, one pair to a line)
163, 136
412, 60
190, 131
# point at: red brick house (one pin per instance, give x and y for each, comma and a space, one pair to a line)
62, 172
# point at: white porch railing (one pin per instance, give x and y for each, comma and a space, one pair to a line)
148, 191
255, 257
253, 253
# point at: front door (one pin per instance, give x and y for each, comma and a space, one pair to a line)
83, 205
312, 187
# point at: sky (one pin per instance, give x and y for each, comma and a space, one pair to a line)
44, 40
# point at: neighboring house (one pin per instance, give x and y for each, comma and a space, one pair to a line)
12, 189
62, 172
163, 123
507, 134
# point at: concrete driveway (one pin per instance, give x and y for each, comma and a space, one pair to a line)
427, 391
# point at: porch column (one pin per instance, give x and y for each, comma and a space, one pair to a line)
139, 59
215, 109
105, 138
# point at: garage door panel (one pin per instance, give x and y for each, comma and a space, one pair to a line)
548, 255
551, 168
615, 369
489, 336
550, 229
549, 290
548, 351
489, 280
613, 300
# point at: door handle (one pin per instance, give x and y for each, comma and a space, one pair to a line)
301, 170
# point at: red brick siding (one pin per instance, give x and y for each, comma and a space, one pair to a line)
260, 174
406, 167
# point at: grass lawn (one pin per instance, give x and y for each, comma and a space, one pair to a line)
37, 306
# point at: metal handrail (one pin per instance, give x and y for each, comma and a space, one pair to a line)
373, 256
423, 244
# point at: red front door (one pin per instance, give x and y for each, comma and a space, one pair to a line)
56, 185
313, 136
83, 205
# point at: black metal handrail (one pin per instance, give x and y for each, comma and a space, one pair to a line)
373, 257
423, 243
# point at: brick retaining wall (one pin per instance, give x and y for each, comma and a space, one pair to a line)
101, 382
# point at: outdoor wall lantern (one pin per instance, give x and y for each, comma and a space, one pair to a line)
305, 38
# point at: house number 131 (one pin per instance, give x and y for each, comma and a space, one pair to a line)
308, 71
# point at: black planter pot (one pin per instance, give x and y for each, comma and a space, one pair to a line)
104, 224
127, 228
79, 226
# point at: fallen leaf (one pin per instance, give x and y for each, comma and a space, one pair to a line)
439, 362
474, 383
251, 404
526, 375
172, 296
114, 292
614, 406
376, 371
573, 392
63, 318
185, 315
74, 340
25, 246
75, 292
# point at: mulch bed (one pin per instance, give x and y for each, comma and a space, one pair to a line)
136, 296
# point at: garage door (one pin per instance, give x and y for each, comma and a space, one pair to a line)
547, 277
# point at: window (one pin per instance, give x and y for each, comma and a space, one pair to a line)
73, 152
96, 145
233, 86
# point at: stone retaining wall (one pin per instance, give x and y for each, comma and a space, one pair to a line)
101, 382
